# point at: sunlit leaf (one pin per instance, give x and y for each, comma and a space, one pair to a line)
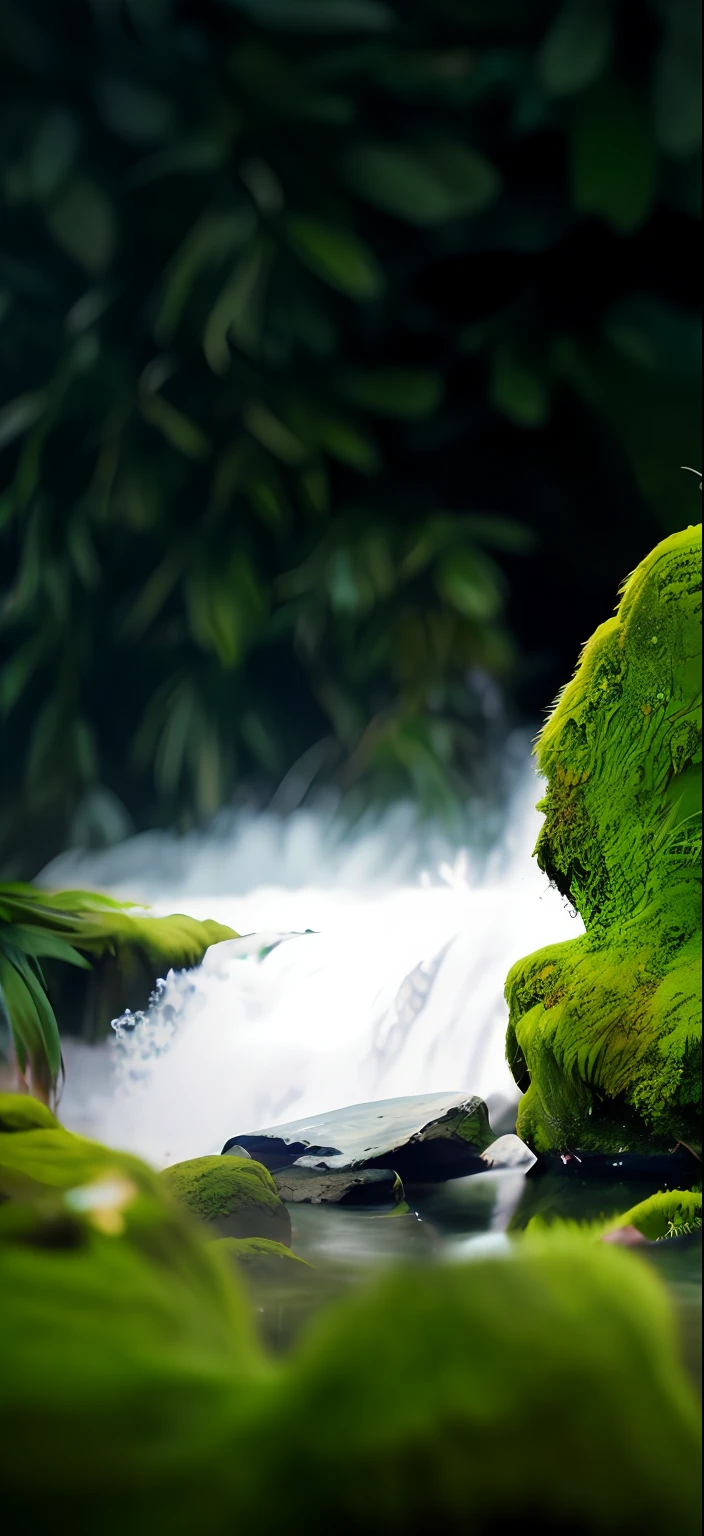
470, 582
335, 255
178, 429
272, 433
345, 442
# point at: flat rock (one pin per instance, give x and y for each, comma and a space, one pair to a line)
426, 1137
361, 1187
509, 1152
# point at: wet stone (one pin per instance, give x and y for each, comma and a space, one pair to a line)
421, 1138
364, 1188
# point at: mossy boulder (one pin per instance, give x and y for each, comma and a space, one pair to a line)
535, 1391
129, 1360
604, 1031
235, 1194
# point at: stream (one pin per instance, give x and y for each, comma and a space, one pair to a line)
374, 969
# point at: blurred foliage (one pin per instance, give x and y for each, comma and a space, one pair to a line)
300, 303
42, 932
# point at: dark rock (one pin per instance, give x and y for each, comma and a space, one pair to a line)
366, 1187
432, 1136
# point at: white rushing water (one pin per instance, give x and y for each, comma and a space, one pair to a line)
399, 990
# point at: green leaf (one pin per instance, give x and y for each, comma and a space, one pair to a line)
613, 157
471, 583
83, 222
335, 255
34, 1028
577, 48
213, 237
272, 433
42, 944
518, 389
345, 442
404, 392
21, 414
238, 310
179, 430
423, 186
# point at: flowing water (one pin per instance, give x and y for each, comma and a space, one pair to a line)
377, 970
396, 988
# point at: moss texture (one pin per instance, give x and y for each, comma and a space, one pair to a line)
534, 1391
605, 1030
236, 1194
135, 1396
669, 1213
260, 1255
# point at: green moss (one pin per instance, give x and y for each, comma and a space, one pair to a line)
237, 1194
536, 1390
669, 1213
134, 1395
605, 1030
20, 1112
129, 1365
260, 1254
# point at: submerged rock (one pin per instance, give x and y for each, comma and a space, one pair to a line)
432, 1136
237, 1195
604, 1031
366, 1187
259, 1255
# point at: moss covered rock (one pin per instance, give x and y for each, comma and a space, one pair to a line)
129, 1360
535, 1391
236, 1194
669, 1213
605, 1030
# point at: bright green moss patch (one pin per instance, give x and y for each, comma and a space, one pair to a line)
605, 1030
670, 1213
531, 1391
235, 1193
259, 1254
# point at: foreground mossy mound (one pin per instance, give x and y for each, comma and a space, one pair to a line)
605, 1030
537, 1388
237, 1195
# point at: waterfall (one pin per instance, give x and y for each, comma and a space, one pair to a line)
398, 988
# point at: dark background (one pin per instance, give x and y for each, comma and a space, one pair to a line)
350, 352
